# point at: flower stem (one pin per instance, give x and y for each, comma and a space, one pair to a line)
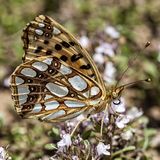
129, 148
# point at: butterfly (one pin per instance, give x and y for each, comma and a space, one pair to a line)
58, 80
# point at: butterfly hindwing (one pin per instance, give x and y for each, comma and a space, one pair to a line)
51, 90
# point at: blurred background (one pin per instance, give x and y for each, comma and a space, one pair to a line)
112, 31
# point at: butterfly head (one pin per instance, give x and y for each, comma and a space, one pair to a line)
116, 92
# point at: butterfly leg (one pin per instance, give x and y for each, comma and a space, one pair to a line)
102, 121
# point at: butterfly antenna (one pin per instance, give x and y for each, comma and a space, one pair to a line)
130, 64
135, 82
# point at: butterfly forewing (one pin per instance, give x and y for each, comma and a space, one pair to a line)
44, 36
57, 80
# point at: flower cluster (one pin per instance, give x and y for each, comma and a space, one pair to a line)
108, 133
4, 155
117, 129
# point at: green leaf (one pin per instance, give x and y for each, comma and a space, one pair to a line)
50, 146
55, 131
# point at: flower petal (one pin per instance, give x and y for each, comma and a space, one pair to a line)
65, 141
102, 149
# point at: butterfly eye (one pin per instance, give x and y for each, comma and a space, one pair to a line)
117, 102
114, 95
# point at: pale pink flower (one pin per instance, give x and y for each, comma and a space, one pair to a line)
6, 82
119, 108
121, 121
109, 72
127, 135
106, 49
2, 153
84, 41
112, 32
75, 158
134, 113
65, 141
102, 149
99, 58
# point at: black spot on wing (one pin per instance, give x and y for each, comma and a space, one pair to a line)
48, 52
46, 42
65, 44
63, 58
58, 47
76, 57
39, 48
72, 43
88, 66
